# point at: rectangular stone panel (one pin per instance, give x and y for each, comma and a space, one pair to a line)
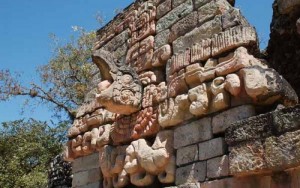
86, 163
192, 173
247, 158
211, 148
223, 120
193, 132
163, 8
187, 155
174, 15
249, 182
233, 38
86, 177
218, 167
161, 39
205, 31
183, 26
253, 128
283, 152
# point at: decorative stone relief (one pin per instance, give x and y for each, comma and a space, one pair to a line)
146, 91
139, 162
140, 124
121, 90
174, 111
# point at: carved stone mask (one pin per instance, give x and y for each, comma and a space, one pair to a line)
120, 90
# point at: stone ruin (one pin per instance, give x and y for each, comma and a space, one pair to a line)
185, 101
59, 173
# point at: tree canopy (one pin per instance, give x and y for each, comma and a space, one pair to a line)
26, 148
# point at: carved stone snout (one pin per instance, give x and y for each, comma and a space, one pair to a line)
120, 90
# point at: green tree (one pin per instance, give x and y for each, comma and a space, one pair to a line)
26, 148
63, 81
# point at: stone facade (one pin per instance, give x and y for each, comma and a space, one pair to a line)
60, 173
177, 76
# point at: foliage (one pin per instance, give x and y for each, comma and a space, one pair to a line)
26, 148
63, 81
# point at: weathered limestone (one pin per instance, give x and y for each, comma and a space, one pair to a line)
264, 143
139, 162
218, 167
211, 148
183, 26
174, 111
223, 120
124, 94
174, 76
195, 172
163, 8
251, 182
265, 86
186, 155
233, 38
174, 15
162, 38
86, 171
206, 30
117, 41
247, 158
192, 133
135, 126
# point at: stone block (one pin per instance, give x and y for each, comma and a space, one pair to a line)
287, 119
247, 158
117, 41
92, 185
211, 9
183, 26
249, 182
253, 128
207, 30
211, 148
233, 38
176, 3
232, 18
199, 3
163, 8
284, 151
174, 15
186, 155
218, 167
190, 185
194, 132
80, 178
84, 178
120, 53
161, 39
86, 163
192, 173
265, 86
223, 120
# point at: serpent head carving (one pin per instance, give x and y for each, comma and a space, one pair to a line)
120, 90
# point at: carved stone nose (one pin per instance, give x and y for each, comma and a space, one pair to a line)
103, 85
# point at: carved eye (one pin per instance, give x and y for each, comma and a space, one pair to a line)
127, 78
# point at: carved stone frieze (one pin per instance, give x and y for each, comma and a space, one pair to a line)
121, 90
140, 124
139, 162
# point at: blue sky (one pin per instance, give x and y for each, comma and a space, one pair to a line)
25, 26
